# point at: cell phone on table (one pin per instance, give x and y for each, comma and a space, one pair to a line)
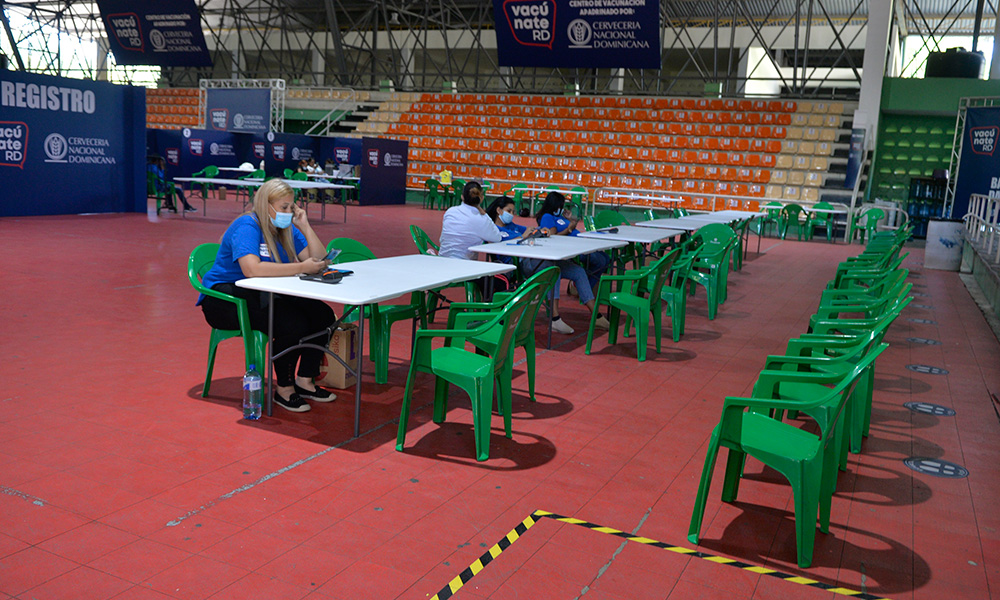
332, 254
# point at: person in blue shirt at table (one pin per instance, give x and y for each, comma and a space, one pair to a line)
274, 240
556, 219
156, 166
501, 211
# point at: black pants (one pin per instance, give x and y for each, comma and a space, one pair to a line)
294, 319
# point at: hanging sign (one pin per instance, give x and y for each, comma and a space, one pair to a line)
578, 33
166, 33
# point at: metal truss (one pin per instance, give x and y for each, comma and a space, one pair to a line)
809, 48
277, 87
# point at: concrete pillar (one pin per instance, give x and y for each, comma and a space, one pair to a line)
737, 85
318, 64
406, 66
617, 83
237, 63
873, 67
101, 60
506, 74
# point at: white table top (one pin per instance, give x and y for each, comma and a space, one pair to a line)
295, 184
631, 233
557, 247
240, 169
334, 176
741, 214
683, 223
380, 279
631, 196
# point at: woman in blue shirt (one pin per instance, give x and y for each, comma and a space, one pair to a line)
502, 213
274, 240
556, 220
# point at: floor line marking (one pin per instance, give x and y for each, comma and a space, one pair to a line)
515, 534
604, 569
23, 496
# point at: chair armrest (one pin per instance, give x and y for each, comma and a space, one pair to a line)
768, 382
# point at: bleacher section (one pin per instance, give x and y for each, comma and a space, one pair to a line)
749, 148
172, 108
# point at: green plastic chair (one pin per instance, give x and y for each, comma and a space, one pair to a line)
631, 253
457, 185
474, 373
674, 293
807, 461
251, 187
254, 342
739, 248
432, 194
153, 191
773, 217
380, 317
791, 214
525, 336
869, 228
609, 218
588, 223
425, 245
814, 220
644, 297
209, 171
716, 240
517, 195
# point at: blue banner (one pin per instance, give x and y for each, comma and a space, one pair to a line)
155, 32
190, 150
342, 150
70, 146
578, 33
855, 156
979, 165
243, 110
281, 151
383, 171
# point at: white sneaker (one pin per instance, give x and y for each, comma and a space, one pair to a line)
602, 322
560, 326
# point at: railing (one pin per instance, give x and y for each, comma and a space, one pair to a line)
342, 105
982, 224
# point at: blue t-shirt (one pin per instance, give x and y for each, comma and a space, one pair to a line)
244, 237
558, 221
511, 230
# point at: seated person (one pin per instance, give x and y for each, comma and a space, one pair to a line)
556, 219
467, 225
274, 240
157, 166
501, 211
330, 167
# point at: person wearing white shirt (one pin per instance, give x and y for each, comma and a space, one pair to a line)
467, 224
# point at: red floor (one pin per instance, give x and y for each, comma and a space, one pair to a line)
119, 481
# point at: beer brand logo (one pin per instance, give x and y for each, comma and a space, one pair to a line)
56, 148
238, 120
295, 153
579, 33
532, 22
213, 149
156, 38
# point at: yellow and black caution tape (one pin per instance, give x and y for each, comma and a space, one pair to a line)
456, 584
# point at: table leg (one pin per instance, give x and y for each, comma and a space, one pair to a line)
270, 330
357, 378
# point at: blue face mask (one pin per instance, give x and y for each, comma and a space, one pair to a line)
281, 220
507, 218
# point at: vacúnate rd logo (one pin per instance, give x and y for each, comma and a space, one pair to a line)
532, 22
984, 139
125, 27
219, 117
13, 143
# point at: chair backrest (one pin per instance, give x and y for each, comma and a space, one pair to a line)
791, 212
715, 238
546, 279
518, 190
773, 208
845, 388
588, 223
211, 171
432, 186
425, 245
458, 185
872, 216
510, 319
609, 218
151, 180
300, 176
680, 212
351, 250
201, 260
659, 270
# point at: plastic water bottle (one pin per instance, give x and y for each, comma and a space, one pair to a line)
252, 394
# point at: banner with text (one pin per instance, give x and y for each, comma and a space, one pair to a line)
242, 110
281, 151
342, 150
979, 166
383, 171
160, 32
578, 33
70, 146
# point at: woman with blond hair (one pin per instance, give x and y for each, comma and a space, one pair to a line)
274, 240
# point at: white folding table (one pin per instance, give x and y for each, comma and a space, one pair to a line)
295, 184
631, 234
682, 223
373, 281
553, 248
